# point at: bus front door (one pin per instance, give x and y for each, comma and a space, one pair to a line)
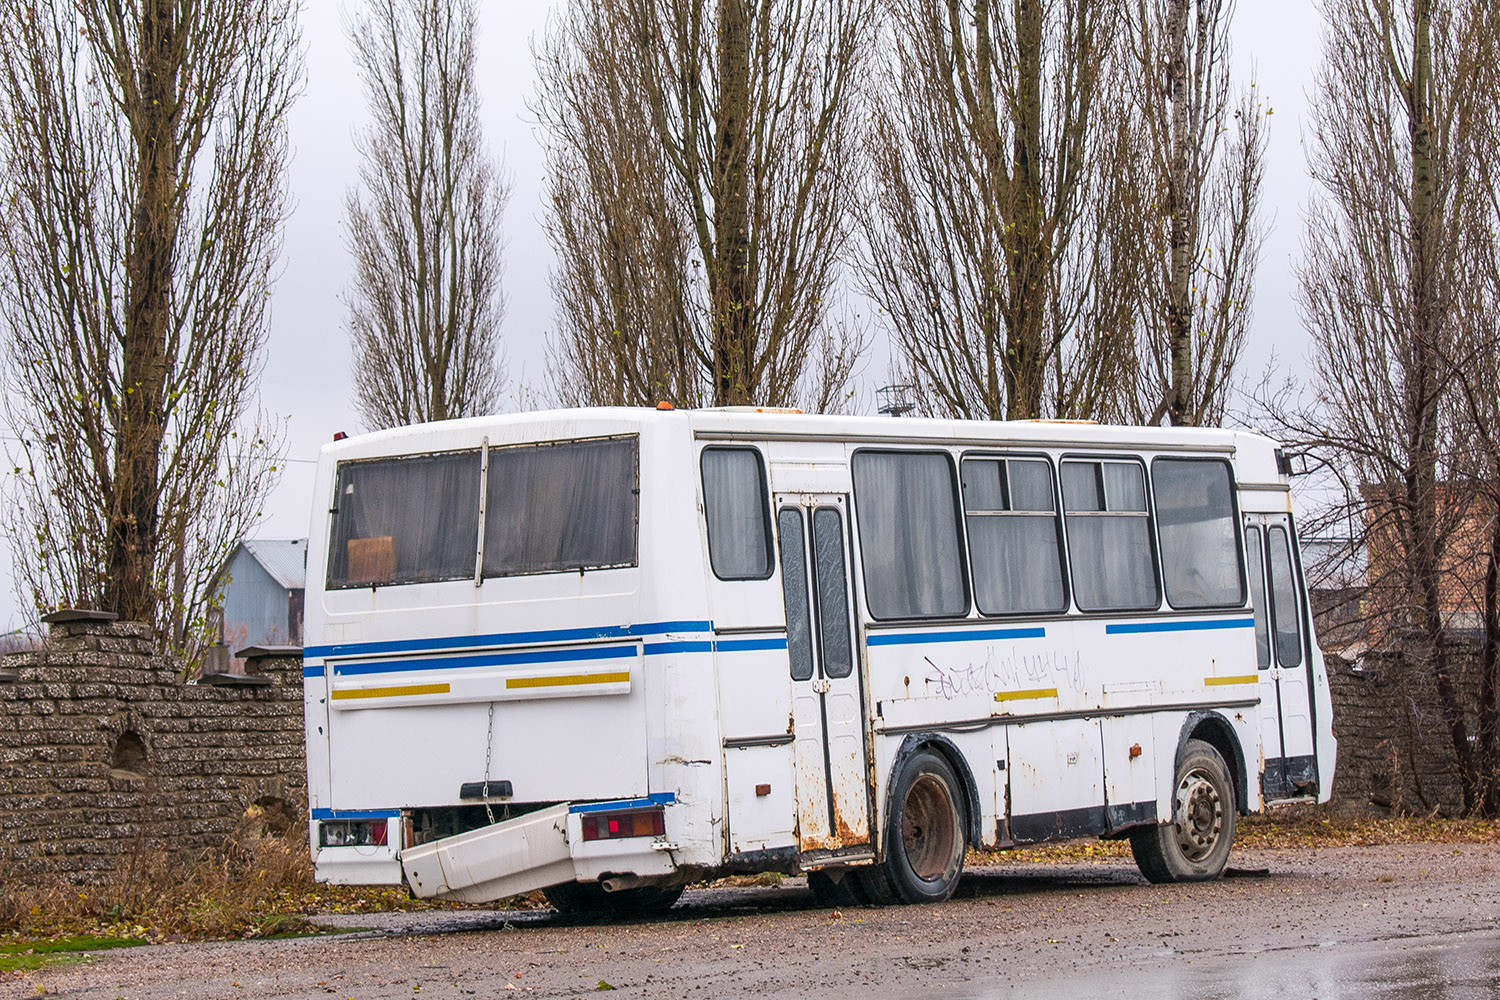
1283, 659
833, 789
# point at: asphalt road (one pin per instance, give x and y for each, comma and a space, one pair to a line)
1402, 922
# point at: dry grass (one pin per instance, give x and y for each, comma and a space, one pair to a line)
260, 890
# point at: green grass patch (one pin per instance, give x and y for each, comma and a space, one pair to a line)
30, 955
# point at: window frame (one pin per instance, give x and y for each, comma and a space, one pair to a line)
1141, 462
767, 502
857, 527
1057, 523
1239, 538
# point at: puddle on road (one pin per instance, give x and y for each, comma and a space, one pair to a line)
1458, 967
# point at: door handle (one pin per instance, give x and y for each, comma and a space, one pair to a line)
821, 685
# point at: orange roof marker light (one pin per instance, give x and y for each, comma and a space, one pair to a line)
664, 405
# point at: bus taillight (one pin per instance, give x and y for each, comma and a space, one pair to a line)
630, 823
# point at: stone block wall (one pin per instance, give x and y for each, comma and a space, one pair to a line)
1395, 753
106, 752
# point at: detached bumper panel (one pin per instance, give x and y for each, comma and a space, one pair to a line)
519, 855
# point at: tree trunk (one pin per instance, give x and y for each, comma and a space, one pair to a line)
1028, 253
1489, 674
130, 590
1422, 406
734, 287
1180, 185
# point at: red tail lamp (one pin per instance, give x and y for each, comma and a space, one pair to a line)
627, 823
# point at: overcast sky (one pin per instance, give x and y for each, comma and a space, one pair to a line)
306, 379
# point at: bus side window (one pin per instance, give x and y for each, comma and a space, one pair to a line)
1015, 540
1256, 558
1200, 556
1284, 599
833, 593
738, 515
1109, 536
794, 590
909, 534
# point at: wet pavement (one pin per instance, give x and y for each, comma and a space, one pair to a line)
1407, 922
1458, 967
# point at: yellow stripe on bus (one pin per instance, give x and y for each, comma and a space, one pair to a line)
559, 680
1241, 679
391, 692
1026, 695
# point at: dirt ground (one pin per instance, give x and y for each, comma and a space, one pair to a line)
1008, 927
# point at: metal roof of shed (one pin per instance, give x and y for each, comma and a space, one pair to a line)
285, 559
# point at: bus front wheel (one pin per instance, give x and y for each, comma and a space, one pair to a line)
925, 840
1195, 846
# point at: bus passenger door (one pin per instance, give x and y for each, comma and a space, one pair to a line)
1282, 658
833, 789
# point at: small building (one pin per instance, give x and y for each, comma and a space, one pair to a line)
262, 593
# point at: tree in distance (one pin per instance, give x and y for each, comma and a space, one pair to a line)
995, 212
144, 149
425, 226
1196, 171
701, 164
1400, 290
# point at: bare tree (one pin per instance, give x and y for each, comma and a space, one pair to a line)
426, 304
1198, 166
993, 237
701, 160
1393, 294
144, 155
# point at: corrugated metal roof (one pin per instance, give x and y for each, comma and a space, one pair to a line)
284, 558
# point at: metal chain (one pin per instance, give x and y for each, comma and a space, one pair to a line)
489, 747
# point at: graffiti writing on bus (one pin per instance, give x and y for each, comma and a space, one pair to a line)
1010, 671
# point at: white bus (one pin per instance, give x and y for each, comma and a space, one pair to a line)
609, 652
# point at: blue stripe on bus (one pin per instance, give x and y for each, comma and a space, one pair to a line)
326, 814
1130, 628
506, 638
487, 660
315, 671
960, 635
657, 648
747, 645
654, 799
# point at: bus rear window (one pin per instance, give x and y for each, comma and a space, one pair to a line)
569, 505
405, 520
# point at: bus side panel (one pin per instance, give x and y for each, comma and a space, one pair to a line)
755, 707
683, 752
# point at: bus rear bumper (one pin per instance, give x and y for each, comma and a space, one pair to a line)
529, 852
519, 855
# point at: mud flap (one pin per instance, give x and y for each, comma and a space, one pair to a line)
519, 855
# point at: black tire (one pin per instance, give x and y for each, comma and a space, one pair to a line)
1195, 846
589, 898
926, 835
836, 887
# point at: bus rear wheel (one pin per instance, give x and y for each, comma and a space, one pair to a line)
925, 837
1195, 846
586, 898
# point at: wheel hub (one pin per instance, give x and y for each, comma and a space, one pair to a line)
928, 833
1199, 816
